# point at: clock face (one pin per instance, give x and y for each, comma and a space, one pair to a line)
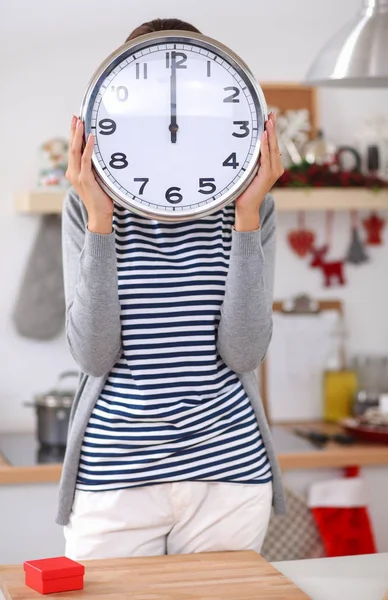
177, 124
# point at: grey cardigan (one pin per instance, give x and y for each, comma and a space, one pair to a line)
94, 328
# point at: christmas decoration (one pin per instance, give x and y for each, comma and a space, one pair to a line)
301, 240
333, 271
319, 151
306, 175
53, 163
293, 127
356, 254
340, 510
374, 226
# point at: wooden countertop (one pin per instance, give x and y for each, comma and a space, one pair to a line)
333, 455
10, 474
208, 576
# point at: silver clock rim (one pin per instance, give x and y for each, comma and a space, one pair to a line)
173, 36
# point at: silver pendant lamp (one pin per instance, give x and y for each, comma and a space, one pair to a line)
357, 56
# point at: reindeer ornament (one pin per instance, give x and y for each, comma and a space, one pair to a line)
333, 271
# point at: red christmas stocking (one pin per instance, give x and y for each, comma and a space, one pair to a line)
339, 507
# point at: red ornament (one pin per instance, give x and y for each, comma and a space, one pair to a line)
301, 240
332, 271
374, 226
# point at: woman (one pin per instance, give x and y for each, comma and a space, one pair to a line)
168, 450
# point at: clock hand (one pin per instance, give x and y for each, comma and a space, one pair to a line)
173, 123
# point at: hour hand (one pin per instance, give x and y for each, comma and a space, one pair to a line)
173, 128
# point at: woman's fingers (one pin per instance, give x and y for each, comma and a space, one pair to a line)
70, 169
86, 160
73, 123
275, 156
76, 148
265, 161
272, 139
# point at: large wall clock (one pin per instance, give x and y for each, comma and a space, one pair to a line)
177, 121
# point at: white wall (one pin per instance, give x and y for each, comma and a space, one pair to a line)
48, 50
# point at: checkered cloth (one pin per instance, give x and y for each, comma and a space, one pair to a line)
293, 536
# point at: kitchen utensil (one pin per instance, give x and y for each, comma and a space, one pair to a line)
372, 373
363, 401
365, 433
53, 412
320, 439
348, 159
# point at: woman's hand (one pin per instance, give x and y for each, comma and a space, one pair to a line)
271, 168
79, 172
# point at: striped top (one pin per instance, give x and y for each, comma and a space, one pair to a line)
171, 409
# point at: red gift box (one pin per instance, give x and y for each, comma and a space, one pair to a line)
50, 575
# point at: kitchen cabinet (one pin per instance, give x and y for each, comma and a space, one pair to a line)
28, 494
27, 523
349, 577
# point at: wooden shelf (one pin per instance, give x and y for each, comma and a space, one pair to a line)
40, 201
287, 200
333, 455
329, 199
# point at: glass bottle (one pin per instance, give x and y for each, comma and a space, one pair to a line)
339, 382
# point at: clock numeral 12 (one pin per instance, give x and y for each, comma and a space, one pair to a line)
173, 196
118, 160
144, 181
208, 183
231, 161
176, 59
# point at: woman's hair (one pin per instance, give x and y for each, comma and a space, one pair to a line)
160, 25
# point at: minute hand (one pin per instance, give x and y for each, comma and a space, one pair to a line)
173, 124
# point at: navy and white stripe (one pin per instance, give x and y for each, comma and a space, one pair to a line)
171, 410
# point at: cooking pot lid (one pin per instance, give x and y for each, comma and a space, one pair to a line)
55, 399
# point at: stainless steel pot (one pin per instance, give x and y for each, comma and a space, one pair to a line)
53, 412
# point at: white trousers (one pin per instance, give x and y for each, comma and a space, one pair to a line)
171, 518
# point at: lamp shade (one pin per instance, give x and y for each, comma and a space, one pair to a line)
356, 56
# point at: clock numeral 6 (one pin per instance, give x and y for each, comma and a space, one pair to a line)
233, 97
231, 161
243, 127
144, 181
207, 182
107, 126
173, 196
118, 160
